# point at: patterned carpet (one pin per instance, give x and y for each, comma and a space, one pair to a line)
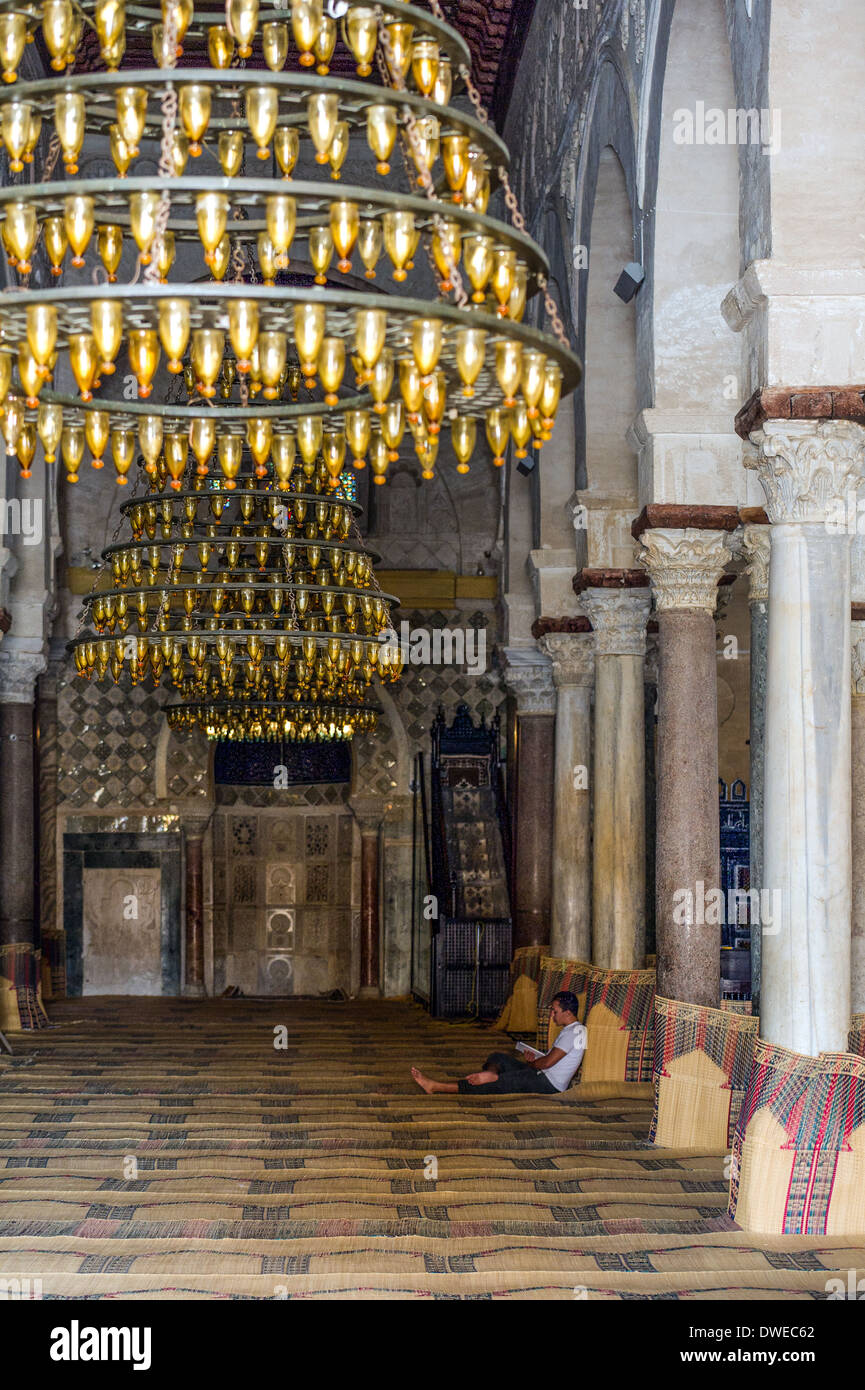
156, 1148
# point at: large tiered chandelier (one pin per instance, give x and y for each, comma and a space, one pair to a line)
243, 581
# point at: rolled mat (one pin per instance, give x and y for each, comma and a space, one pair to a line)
702, 1062
856, 1036
556, 974
798, 1163
619, 1025
520, 1013
21, 988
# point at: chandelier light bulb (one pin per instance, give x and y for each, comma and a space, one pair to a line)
97, 429
49, 425
262, 112
286, 147
306, 18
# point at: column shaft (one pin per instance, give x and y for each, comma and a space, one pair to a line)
857, 959
17, 858
756, 545
685, 565
572, 656
369, 912
688, 831
194, 964
618, 616
805, 997
533, 848
809, 469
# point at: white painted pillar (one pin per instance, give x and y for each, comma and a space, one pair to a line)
808, 469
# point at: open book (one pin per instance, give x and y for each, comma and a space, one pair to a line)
530, 1051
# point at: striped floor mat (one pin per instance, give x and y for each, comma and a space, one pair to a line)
154, 1148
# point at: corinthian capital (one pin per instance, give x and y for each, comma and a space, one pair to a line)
756, 546
808, 468
18, 672
685, 566
572, 655
619, 618
531, 683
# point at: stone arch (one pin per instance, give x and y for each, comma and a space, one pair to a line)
183, 767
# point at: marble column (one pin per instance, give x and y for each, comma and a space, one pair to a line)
685, 566
857, 956
618, 616
531, 784
193, 973
20, 1005
755, 544
369, 812
573, 667
650, 719
52, 936
809, 470
396, 896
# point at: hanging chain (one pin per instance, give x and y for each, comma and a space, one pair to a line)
513, 206
424, 176
168, 104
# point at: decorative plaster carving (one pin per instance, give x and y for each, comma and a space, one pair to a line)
619, 617
685, 567
531, 684
808, 468
18, 672
572, 656
756, 545
857, 653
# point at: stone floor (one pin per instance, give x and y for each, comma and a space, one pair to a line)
159, 1148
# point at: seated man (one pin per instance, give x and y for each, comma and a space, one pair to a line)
544, 1074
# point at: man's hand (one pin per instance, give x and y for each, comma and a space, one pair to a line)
543, 1063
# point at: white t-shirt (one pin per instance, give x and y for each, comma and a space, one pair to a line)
571, 1041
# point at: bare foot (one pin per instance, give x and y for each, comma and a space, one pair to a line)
481, 1078
423, 1081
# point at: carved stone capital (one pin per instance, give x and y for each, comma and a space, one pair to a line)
531, 684
18, 673
369, 812
619, 618
685, 567
857, 654
808, 468
572, 656
756, 546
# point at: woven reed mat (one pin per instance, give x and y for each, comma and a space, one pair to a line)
302, 1172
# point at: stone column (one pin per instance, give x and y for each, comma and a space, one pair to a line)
193, 975
650, 716
755, 544
618, 616
369, 813
396, 875
20, 1005
857, 958
809, 470
531, 784
573, 666
51, 934
685, 566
